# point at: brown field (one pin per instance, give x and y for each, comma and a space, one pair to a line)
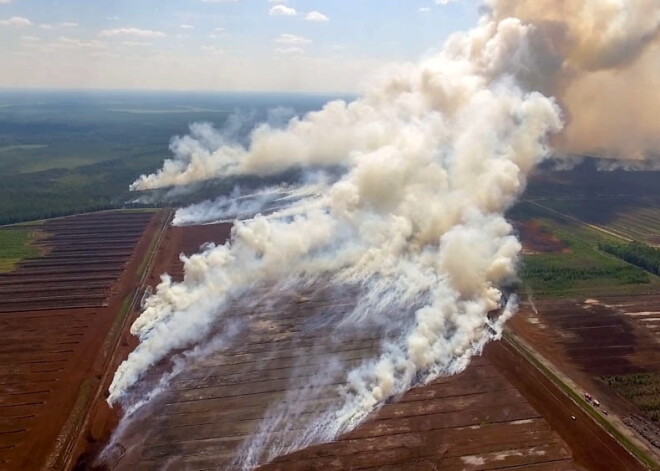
593, 339
56, 313
175, 241
68, 330
644, 311
501, 413
476, 420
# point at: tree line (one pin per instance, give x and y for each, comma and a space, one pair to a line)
636, 253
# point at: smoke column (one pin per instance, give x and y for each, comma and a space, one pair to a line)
601, 59
433, 155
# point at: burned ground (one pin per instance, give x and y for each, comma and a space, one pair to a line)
500, 413
475, 420
537, 239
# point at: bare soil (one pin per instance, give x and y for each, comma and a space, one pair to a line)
52, 328
588, 339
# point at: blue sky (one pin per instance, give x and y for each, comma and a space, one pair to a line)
292, 45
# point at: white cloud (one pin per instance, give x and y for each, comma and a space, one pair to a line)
213, 50
64, 42
289, 50
220, 1
292, 39
30, 38
424, 9
219, 30
136, 43
281, 10
5, 1
444, 2
278, 1
135, 32
316, 16
18, 21
186, 27
65, 24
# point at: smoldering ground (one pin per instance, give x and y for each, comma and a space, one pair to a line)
433, 154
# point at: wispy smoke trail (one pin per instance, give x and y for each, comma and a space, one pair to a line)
434, 154
238, 206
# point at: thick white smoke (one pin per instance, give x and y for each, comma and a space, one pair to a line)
434, 154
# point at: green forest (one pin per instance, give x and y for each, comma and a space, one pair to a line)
635, 253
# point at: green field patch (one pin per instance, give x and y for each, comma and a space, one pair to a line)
17, 244
55, 162
583, 269
21, 147
641, 389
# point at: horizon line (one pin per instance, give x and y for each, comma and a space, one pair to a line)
164, 90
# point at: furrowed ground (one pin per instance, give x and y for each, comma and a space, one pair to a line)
61, 313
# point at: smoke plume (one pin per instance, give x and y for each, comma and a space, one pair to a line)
432, 155
601, 59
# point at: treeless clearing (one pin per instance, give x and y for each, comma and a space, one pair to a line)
55, 319
536, 239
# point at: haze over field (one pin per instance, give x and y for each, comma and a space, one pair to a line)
431, 157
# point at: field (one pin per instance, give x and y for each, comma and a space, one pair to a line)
591, 303
628, 218
16, 245
221, 399
57, 312
68, 152
592, 339
568, 262
499, 414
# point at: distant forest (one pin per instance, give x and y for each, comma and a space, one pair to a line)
69, 152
